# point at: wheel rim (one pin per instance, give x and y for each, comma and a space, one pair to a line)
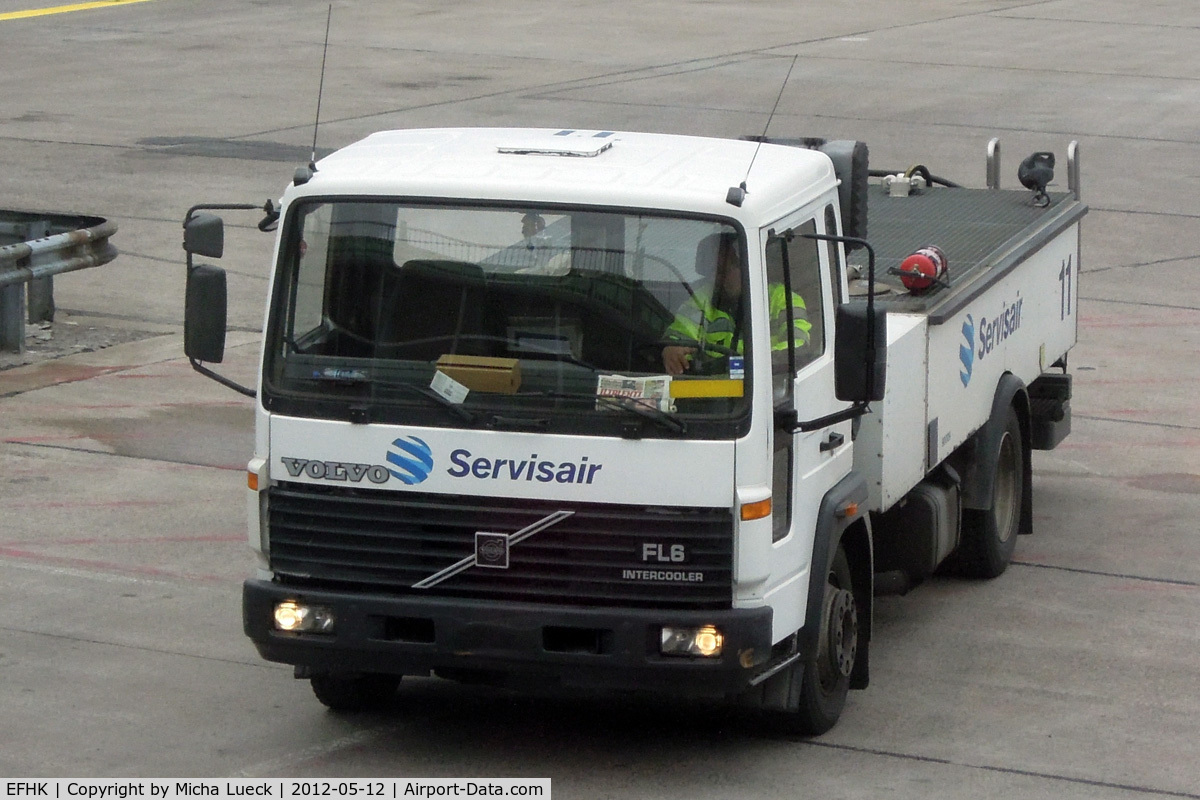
839, 646
1005, 501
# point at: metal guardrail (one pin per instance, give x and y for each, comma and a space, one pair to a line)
34, 247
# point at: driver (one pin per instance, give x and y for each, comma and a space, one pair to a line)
713, 316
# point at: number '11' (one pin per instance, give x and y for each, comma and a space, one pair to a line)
1064, 281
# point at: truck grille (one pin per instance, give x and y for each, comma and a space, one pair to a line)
384, 541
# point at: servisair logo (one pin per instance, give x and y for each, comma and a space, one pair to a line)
966, 352
980, 340
410, 460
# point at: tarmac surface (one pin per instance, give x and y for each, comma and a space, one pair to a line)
1076, 674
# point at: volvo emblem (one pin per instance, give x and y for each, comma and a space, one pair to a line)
492, 549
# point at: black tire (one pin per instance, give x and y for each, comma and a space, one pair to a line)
989, 537
825, 679
353, 693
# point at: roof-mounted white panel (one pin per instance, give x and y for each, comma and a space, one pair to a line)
573, 144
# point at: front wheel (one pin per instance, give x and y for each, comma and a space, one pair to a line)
351, 693
824, 676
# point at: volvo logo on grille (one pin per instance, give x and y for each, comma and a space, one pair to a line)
412, 458
492, 549
334, 470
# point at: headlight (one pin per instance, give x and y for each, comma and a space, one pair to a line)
705, 641
294, 617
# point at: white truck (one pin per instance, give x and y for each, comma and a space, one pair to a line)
472, 461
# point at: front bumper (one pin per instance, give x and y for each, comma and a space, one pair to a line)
515, 643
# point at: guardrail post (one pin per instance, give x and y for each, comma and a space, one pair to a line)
993, 163
12, 319
40, 303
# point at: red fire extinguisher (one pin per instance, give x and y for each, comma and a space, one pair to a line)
923, 269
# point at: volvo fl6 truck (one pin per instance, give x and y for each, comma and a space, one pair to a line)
634, 411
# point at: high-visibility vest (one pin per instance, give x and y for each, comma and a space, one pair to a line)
699, 320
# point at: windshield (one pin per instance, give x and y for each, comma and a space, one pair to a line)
548, 318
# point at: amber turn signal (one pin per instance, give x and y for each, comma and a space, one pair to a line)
756, 510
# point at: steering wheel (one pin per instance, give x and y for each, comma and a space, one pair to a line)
702, 362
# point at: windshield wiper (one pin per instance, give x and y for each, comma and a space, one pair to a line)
454, 408
355, 377
664, 419
563, 358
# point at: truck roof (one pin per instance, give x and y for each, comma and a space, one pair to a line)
616, 168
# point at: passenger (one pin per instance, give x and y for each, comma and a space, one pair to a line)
531, 225
541, 258
713, 316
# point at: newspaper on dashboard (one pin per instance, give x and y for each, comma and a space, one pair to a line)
652, 391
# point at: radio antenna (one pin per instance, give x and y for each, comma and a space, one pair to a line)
312, 163
738, 193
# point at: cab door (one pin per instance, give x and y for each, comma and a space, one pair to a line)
805, 465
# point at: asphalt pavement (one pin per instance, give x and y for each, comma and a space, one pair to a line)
122, 488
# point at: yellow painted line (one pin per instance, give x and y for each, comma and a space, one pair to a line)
43, 12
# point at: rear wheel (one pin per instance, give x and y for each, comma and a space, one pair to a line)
989, 537
349, 693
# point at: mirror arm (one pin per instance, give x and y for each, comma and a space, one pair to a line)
786, 419
192, 214
218, 207
221, 379
268, 222
856, 410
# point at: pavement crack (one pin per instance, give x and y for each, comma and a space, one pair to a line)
44, 445
1104, 574
1095, 22
1140, 264
69, 637
1138, 211
1026, 773
1008, 68
1141, 303
79, 312
1168, 425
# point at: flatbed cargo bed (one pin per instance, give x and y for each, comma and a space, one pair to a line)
984, 233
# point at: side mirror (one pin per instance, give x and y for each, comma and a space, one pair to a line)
860, 355
204, 235
204, 313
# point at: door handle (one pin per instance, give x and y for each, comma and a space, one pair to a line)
832, 442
